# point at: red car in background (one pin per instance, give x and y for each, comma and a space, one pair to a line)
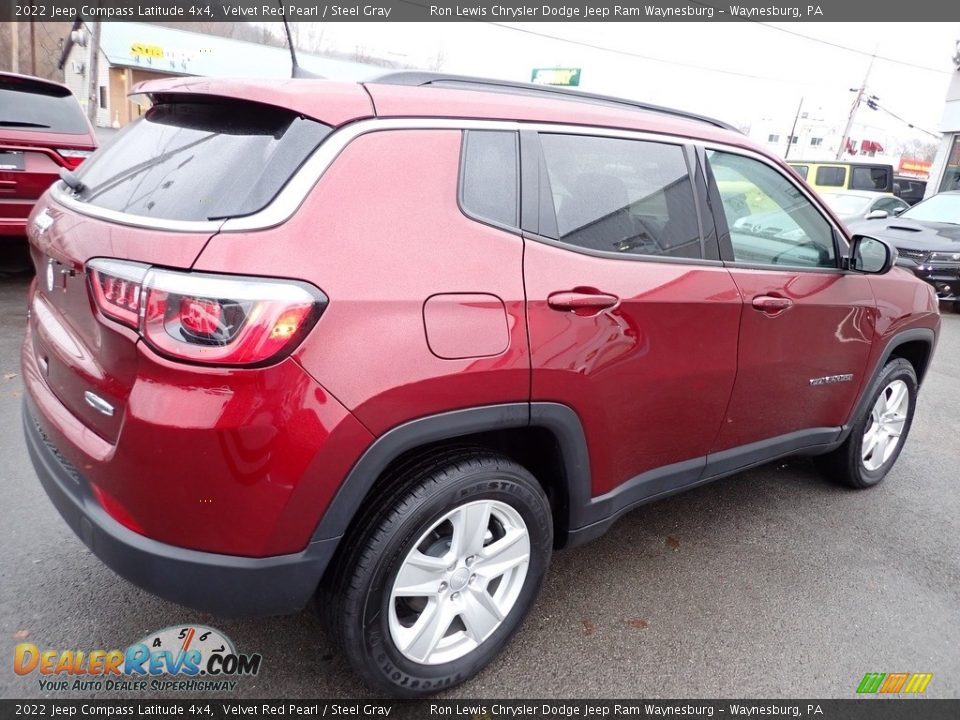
42, 130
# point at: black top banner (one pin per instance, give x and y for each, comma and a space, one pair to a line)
482, 10
211, 709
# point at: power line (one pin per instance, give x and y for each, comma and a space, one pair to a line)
858, 51
907, 122
641, 56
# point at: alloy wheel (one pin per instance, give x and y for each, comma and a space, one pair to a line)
885, 429
458, 582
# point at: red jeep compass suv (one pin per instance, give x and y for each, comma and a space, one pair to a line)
393, 343
42, 131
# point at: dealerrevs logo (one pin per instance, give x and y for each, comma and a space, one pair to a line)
184, 658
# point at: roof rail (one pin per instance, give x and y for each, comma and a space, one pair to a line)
416, 78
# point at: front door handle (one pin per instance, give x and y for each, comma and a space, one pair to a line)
771, 304
582, 302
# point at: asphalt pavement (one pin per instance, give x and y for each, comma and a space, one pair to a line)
773, 583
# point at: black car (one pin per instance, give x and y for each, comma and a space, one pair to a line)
928, 239
910, 190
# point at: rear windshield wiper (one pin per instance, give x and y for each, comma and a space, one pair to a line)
72, 181
14, 123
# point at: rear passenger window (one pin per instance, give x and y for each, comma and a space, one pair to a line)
491, 177
802, 170
870, 178
622, 196
831, 176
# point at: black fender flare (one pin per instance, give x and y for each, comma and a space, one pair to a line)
926, 335
558, 419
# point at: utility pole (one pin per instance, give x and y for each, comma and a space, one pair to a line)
93, 92
793, 130
33, 49
853, 108
15, 47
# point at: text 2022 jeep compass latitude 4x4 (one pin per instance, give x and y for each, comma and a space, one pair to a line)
393, 343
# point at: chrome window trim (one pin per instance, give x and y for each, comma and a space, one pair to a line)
295, 192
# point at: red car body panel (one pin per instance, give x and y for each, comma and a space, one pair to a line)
20, 189
630, 372
360, 226
835, 315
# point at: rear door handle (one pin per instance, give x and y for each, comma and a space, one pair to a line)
771, 305
582, 302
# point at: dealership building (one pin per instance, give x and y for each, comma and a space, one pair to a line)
945, 174
133, 52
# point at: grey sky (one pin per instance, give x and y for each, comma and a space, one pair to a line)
738, 71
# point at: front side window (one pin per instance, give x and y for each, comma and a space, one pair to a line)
890, 205
771, 222
830, 176
622, 196
490, 186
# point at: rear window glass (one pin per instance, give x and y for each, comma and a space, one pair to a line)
490, 186
200, 161
831, 176
27, 105
870, 178
622, 196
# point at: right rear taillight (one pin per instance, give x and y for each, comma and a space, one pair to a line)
206, 318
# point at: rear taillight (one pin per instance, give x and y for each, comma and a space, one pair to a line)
116, 286
205, 318
73, 158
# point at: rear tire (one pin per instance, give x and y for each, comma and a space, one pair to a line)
419, 600
875, 442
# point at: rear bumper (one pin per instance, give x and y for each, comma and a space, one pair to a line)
13, 227
224, 585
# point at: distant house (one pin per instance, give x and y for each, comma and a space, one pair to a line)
133, 52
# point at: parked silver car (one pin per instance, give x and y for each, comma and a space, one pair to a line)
853, 205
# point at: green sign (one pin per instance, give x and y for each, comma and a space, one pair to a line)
556, 76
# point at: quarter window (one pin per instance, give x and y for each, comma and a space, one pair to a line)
771, 222
616, 195
490, 184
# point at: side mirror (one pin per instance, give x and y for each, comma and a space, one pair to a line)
870, 255
877, 215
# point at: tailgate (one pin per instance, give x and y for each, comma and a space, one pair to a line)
89, 362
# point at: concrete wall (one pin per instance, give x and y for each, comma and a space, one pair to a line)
950, 126
75, 76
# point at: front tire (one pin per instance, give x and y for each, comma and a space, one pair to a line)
435, 580
875, 442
